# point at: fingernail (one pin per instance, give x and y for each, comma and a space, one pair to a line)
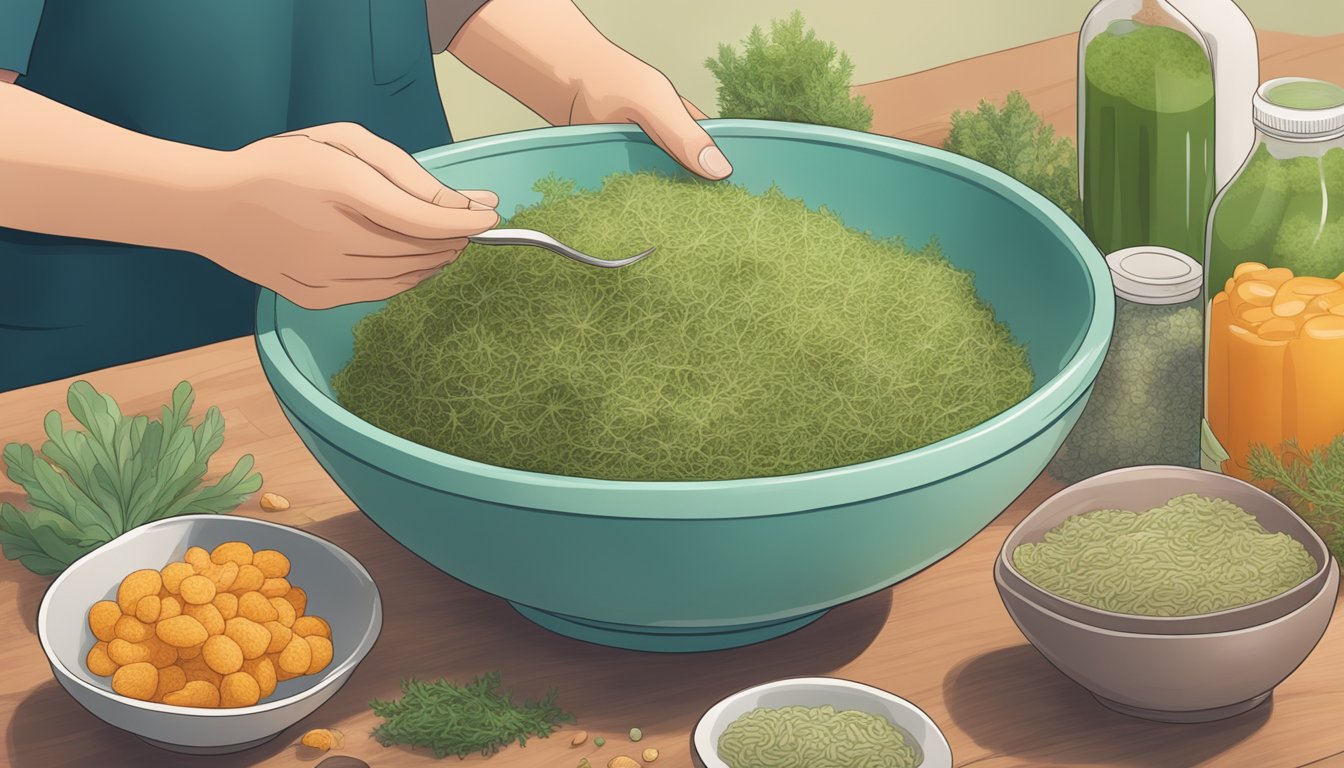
714, 163
482, 196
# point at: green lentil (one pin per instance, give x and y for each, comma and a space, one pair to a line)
599, 741
636, 734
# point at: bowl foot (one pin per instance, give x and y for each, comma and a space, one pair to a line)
220, 750
1188, 716
663, 639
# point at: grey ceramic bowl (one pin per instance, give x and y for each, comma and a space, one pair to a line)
1172, 669
917, 727
339, 590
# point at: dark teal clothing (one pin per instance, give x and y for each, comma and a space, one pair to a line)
215, 73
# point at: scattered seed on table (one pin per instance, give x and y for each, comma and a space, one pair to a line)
274, 502
578, 739
599, 741
622, 761
650, 755
636, 734
583, 763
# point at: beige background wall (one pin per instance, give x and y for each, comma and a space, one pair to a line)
885, 38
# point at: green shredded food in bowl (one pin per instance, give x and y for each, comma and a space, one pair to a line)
1191, 556
815, 737
761, 338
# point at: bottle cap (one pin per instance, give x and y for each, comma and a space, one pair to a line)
1149, 274
1299, 108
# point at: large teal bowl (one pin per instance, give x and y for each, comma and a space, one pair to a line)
689, 566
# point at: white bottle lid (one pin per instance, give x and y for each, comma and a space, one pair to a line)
1299, 108
1149, 274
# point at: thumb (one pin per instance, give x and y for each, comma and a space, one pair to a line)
673, 128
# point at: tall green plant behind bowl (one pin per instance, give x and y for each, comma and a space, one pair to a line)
789, 75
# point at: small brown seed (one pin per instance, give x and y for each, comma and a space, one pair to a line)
650, 755
621, 761
578, 739
274, 502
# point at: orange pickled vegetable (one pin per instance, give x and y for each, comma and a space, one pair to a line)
1316, 370
1275, 362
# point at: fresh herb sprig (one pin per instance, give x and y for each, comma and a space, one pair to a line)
87, 487
453, 719
1311, 482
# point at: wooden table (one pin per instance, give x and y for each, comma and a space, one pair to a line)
940, 639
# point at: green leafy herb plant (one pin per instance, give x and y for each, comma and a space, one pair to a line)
1015, 140
87, 487
454, 719
1311, 482
789, 75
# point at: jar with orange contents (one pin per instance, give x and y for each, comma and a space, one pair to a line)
1275, 268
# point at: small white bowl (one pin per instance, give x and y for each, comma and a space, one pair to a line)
338, 588
817, 692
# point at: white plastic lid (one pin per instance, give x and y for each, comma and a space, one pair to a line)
1299, 107
1149, 274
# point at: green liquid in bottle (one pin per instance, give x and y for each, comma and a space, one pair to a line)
1148, 164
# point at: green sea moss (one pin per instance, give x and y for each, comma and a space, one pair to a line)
761, 338
1155, 68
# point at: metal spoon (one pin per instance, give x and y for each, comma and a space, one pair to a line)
543, 240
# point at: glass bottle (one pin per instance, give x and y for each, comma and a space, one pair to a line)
1145, 404
1158, 82
1275, 333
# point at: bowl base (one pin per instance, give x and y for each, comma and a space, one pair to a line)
220, 750
1187, 716
663, 639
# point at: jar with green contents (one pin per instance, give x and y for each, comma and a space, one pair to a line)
1144, 405
1275, 292
1146, 127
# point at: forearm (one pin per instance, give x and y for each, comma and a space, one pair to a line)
538, 51
63, 172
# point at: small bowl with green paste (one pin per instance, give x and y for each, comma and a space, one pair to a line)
1170, 593
817, 722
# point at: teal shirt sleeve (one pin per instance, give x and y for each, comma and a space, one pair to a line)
18, 29
446, 18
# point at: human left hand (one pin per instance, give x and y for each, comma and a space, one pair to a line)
548, 56
639, 94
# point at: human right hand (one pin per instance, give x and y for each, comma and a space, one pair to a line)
334, 215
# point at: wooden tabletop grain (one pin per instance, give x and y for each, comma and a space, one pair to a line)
940, 639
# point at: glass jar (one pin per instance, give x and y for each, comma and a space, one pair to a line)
1275, 335
1148, 117
1144, 406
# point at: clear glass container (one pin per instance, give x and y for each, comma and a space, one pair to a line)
1144, 406
1275, 335
1148, 117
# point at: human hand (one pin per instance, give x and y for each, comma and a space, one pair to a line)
633, 92
335, 215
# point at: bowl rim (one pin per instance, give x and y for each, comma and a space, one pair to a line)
332, 676
1333, 575
934, 745
1170, 625
592, 497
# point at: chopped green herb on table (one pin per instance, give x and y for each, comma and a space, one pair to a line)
453, 719
87, 487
